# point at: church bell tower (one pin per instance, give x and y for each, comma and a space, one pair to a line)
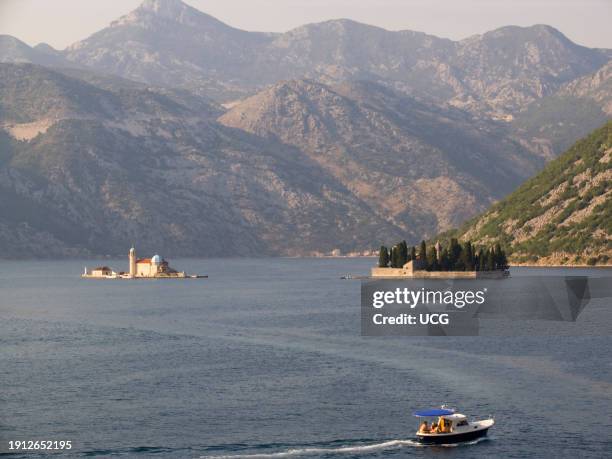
132, 258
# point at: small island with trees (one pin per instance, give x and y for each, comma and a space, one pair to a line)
455, 260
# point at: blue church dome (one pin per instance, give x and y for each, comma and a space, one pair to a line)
156, 259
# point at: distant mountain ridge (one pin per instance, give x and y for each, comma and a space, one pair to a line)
495, 72
167, 42
15, 51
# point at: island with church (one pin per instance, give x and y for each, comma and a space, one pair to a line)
140, 268
455, 261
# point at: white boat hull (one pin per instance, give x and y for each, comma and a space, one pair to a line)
472, 431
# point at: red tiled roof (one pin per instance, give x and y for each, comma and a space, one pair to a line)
144, 260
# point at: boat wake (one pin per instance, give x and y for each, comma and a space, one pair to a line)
346, 449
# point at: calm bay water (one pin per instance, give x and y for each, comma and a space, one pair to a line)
264, 359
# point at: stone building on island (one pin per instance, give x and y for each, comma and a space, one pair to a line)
101, 271
155, 266
139, 268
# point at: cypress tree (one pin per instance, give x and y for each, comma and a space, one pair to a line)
444, 261
461, 260
490, 260
495, 256
473, 257
432, 260
467, 256
383, 257
403, 253
454, 253
423, 251
503, 260
413, 253
395, 259
500, 257
482, 260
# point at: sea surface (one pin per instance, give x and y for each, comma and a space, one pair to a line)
265, 359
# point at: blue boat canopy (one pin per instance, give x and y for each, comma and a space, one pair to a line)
433, 412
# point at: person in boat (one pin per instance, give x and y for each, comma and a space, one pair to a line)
444, 426
424, 428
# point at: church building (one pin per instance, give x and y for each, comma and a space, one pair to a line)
139, 268
155, 266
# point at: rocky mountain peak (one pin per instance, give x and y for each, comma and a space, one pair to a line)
302, 86
8, 40
516, 39
14, 50
151, 11
46, 48
298, 97
341, 25
165, 8
512, 30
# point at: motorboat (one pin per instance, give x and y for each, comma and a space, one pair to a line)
445, 426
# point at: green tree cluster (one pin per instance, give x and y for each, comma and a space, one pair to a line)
456, 256
397, 256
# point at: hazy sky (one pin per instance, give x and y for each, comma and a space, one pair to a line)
62, 22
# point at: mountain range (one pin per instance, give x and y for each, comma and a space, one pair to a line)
97, 167
176, 130
168, 42
110, 160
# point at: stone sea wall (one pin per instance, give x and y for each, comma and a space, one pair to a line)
394, 273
